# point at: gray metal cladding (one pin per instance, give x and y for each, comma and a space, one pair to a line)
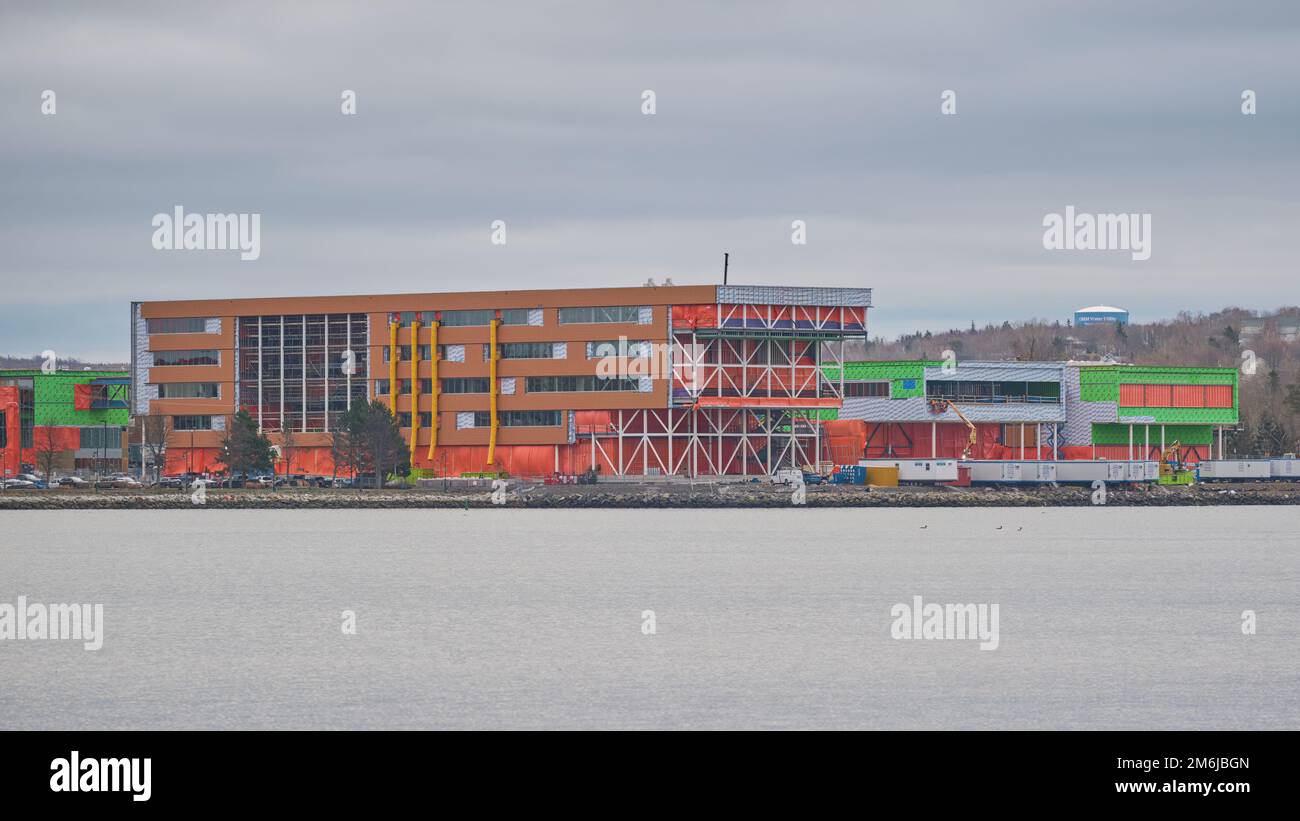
783, 295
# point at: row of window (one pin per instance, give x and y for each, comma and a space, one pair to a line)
873, 389
466, 319
591, 316
532, 350
196, 357
296, 331
579, 384
189, 390
506, 419
100, 438
532, 384
177, 325
519, 316
192, 422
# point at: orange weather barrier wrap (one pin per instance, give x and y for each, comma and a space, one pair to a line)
433, 396
82, 396
56, 438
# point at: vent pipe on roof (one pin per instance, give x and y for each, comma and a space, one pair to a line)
726, 260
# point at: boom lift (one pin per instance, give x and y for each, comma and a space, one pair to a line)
941, 405
1172, 469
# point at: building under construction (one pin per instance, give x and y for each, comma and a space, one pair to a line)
671, 380
1030, 410
66, 421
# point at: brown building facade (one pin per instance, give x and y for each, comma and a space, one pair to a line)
691, 380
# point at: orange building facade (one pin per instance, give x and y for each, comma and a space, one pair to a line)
670, 380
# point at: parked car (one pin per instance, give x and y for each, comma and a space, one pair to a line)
37, 482
70, 482
169, 481
17, 484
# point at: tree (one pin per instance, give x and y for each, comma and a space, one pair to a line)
48, 448
344, 448
288, 444
1293, 398
244, 448
153, 441
377, 438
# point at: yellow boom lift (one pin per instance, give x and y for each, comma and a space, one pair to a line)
941, 405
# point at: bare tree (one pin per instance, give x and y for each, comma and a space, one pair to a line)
288, 444
153, 441
47, 449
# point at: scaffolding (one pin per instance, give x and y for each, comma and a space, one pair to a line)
746, 395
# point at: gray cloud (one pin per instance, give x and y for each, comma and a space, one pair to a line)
530, 113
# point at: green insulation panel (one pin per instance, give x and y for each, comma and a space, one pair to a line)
55, 402
1113, 434
906, 377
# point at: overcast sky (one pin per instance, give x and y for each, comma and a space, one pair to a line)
531, 113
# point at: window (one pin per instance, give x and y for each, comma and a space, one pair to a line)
190, 422
403, 386
572, 384
167, 358
407, 317
404, 352
514, 316
296, 370
100, 438
466, 385
404, 419
584, 316
177, 325
381, 387
453, 319
631, 348
877, 389
523, 350
4, 432
189, 390
520, 419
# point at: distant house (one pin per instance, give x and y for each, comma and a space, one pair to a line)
1098, 314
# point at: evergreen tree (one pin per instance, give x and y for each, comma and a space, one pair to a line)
243, 448
374, 437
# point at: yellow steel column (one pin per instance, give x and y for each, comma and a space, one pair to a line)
433, 394
492, 390
392, 366
415, 386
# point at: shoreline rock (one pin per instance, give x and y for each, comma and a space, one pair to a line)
523, 495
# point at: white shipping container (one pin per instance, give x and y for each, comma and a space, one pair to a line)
1285, 468
1227, 470
918, 470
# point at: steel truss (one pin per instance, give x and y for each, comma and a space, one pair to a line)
706, 441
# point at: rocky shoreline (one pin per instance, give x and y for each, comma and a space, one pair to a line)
657, 495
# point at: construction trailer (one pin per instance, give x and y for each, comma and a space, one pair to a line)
726, 380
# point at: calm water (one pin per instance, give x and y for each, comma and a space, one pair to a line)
1109, 618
